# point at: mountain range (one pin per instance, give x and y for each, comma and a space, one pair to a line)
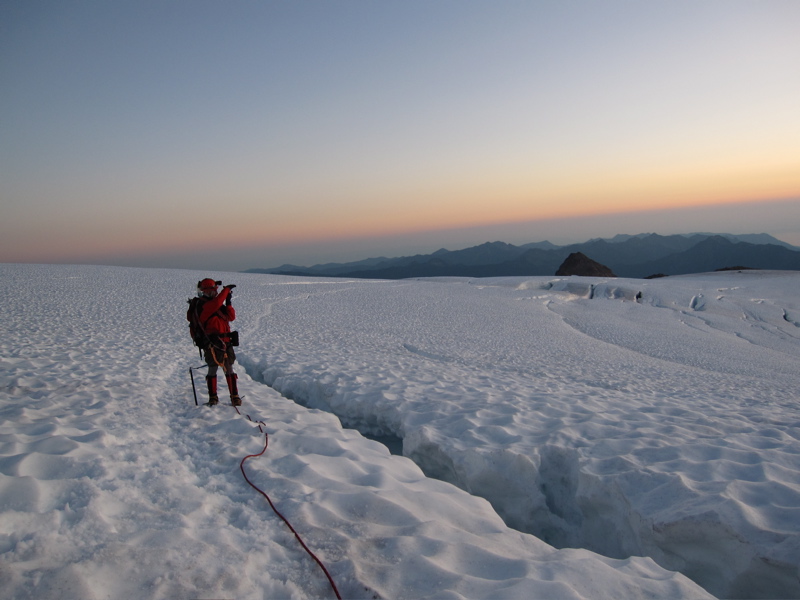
637, 256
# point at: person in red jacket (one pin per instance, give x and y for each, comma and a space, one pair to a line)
215, 315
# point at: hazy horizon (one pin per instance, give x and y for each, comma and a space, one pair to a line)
560, 232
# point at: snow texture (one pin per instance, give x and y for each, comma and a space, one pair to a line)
562, 438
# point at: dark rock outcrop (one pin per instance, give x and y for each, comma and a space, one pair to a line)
578, 263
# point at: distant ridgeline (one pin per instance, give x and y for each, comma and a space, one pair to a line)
638, 256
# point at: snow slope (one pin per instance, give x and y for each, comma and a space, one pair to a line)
665, 427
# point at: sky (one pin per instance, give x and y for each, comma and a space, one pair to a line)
230, 135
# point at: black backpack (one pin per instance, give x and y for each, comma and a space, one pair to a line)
196, 330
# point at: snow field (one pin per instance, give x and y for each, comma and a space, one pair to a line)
113, 484
630, 417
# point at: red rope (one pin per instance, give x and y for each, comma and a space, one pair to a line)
289, 525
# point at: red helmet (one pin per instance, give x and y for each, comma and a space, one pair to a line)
207, 284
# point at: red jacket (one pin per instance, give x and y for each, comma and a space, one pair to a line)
215, 317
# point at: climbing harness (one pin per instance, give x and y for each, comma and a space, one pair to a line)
214, 355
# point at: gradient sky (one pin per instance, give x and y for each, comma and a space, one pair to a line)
241, 134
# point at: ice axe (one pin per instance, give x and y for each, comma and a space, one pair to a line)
191, 375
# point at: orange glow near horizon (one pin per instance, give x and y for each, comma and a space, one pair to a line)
322, 232
88, 244
478, 202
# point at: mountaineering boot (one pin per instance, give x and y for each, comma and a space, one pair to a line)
234, 389
212, 390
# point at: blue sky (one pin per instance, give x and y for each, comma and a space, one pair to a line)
256, 133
